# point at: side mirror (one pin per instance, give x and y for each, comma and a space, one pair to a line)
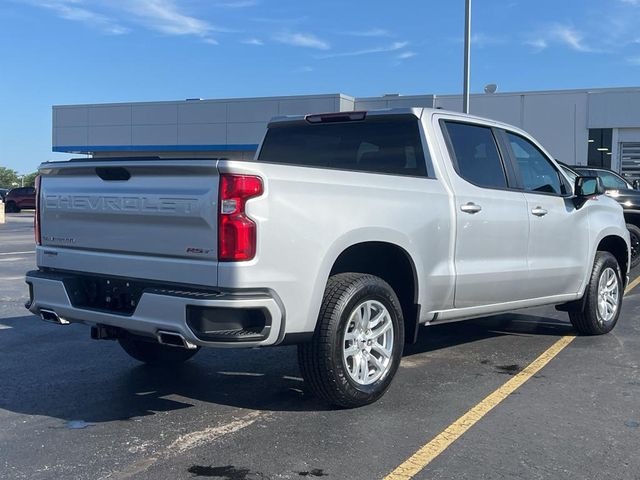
586, 187
636, 184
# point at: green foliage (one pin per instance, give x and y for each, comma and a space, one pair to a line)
30, 179
8, 178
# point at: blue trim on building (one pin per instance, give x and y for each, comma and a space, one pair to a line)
249, 147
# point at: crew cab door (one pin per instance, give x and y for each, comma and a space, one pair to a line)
492, 226
558, 232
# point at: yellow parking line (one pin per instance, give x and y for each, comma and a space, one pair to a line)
435, 447
425, 455
632, 285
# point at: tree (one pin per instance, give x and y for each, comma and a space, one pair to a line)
30, 179
8, 178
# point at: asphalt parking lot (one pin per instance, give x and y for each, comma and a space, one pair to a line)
71, 407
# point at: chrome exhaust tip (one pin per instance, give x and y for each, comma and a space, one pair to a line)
52, 317
173, 339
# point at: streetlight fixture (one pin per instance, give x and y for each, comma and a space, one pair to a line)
467, 56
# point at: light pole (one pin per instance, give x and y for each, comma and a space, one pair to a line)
467, 56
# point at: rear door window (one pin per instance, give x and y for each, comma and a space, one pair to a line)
476, 155
385, 144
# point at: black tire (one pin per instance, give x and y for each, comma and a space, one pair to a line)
155, 353
321, 360
589, 321
11, 207
634, 234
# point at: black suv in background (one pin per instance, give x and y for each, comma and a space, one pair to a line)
618, 188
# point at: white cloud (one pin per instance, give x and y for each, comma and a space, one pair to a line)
631, 2
537, 43
252, 41
372, 32
76, 11
307, 40
635, 61
238, 4
571, 37
279, 20
165, 17
482, 40
406, 55
367, 51
560, 34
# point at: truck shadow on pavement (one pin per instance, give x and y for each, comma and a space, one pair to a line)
436, 337
59, 372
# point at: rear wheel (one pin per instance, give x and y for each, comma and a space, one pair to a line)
603, 298
155, 353
357, 346
634, 237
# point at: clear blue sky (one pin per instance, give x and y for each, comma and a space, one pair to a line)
90, 51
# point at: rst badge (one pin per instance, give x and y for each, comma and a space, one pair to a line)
199, 251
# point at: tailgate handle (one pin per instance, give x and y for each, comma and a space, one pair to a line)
110, 174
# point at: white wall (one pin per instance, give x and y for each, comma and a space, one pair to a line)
558, 120
203, 123
629, 135
393, 101
614, 109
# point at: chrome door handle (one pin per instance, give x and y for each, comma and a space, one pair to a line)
539, 212
470, 207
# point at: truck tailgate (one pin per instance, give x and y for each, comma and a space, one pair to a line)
162, 210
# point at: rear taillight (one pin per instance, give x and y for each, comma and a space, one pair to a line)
36, 218
236, 231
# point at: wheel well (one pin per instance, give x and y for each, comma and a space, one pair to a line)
394, 265
618, 248
632, 218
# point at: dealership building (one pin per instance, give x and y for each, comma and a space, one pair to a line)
599, 127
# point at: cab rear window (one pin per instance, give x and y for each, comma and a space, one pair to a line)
388, 144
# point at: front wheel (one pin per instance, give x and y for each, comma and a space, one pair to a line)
603, 298
634, 237
154, 353
357, 345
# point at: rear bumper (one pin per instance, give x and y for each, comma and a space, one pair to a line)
162, 310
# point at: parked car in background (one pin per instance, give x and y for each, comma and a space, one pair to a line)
3, 193
20, 198
618, 188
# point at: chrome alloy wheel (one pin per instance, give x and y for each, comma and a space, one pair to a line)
608, 295
368, 342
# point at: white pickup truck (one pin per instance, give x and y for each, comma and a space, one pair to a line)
345, 234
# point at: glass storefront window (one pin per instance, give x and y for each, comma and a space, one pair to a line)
600, 147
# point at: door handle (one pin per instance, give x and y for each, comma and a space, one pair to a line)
470, 207
539, 212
